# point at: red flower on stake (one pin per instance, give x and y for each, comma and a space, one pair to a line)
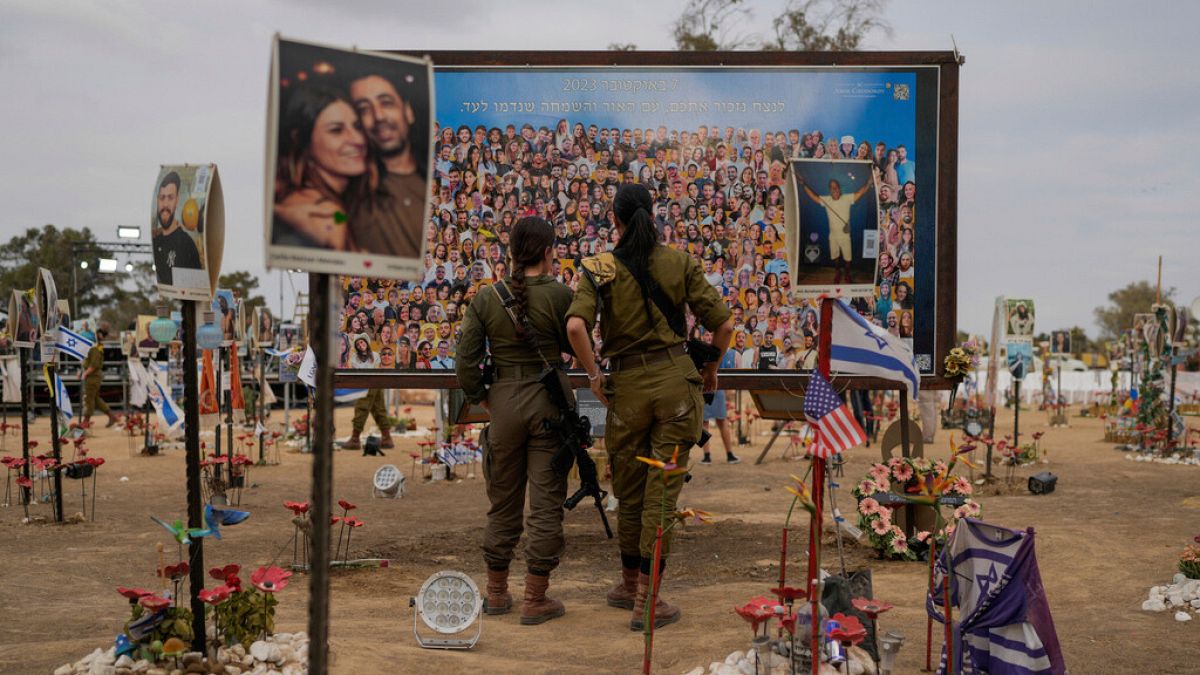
790, 593
177, 571
756, 612
297, 508
850, 629
872, 608
25, 482
270, 579
353, 522
222, 573
134, 594
347, 505
154, 603
215, 596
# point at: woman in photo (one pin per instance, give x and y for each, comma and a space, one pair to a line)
322, 159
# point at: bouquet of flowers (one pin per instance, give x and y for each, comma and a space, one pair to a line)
962, 359
918, 480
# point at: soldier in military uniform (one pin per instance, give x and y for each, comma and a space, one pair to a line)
653, 395
521, 320
93, 375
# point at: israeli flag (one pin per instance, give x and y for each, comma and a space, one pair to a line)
861, 348
62, 398
168, 411
72, 343
348, 395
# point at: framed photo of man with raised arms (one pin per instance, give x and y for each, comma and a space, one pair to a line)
717, 139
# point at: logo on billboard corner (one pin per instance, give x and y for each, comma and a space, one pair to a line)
900, 92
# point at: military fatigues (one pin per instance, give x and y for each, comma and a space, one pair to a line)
516, 449
370, 405
91, 386
654, 390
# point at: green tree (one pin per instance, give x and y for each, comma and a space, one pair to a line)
802, 25
243, 284
51, 248
1123, 303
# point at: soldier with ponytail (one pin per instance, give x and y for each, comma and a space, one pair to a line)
640, 293
520, 321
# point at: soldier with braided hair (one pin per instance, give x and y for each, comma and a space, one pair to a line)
521, 321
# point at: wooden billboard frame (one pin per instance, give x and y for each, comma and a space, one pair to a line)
946, 270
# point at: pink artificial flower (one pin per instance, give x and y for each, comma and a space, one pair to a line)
923, 535
868, 507
868, 487
880, 527
903, 472
900, 544
883, 485
963, 486
878, 472
270, 579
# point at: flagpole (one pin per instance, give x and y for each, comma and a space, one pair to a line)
824, 341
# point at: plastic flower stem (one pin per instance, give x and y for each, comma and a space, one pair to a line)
94, 472
348, 535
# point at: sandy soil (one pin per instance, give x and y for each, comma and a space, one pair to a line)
1112, 529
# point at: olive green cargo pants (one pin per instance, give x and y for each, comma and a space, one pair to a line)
653, 409
517, 451
92, 400
372, 405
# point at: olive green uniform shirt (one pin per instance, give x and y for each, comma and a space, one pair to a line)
624, 324
488, 327
95, 361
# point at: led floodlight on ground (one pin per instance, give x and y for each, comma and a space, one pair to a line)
448, 604
108, 265
129, 232
388, 482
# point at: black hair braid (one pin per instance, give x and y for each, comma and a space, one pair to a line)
527, 245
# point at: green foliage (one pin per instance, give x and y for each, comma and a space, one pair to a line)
802, 25
1135, 298
243, 284
246, 616
622, 47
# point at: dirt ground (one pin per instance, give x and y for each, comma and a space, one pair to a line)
1111, 530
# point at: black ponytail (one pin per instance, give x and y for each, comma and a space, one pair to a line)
632, 207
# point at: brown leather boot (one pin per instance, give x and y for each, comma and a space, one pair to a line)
664, 613
385, 439
499, 600
354, 443
621, 595
537, 608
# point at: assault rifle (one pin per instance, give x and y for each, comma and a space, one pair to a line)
574, 438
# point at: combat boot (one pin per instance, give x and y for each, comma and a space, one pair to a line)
537, 607
621, 595
664, 613
385, 440
499, 600
354, 443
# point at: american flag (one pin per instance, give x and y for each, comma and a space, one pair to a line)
833, 422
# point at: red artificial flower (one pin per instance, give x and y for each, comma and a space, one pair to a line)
756, 611
154, 603
225, 572
95, 461
234, 583
353, 522
871, 607
786, 593
1038, 434
270, 579
789, 623
25, 482
33, 444
849, 629
407, 410
334, 520
177, 571
346, 505
297, 508
215, 596
242, 460
7, 461
133, 593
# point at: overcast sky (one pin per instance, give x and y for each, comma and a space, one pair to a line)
1078, 140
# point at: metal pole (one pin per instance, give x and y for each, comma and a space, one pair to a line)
910, 511
22, 358
1017, 412
191, 427
1171, 401
324, 325
262, 417
217, 428
55, 443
